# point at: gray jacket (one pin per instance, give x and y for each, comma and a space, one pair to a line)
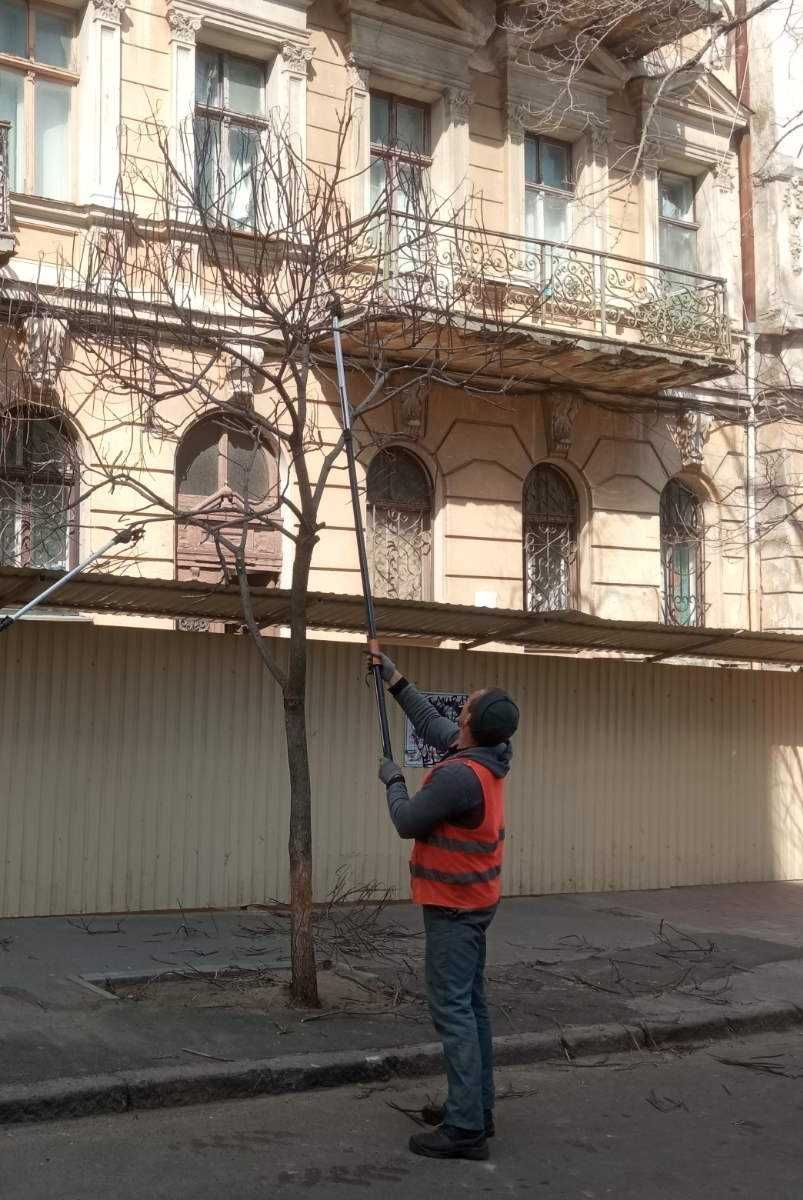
454, 792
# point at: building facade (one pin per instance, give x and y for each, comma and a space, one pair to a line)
620, 480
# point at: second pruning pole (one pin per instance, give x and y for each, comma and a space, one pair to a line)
348, 439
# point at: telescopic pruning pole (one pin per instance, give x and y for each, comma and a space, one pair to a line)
122, 538
348, 439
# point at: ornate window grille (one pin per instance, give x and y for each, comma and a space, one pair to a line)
550, 540
682, 545
399, 511
38, 492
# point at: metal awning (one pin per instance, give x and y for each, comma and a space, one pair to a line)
470, 627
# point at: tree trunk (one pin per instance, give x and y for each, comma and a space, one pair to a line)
304, 979
303, 975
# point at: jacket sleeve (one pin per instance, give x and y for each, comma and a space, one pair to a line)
433, 729
453, 790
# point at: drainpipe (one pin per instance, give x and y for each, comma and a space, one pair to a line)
753, 556
744, 155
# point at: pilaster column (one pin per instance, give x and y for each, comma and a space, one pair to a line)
287, 94
517, 115
452, 160
183, 27
100, 124
591, 223
359, 91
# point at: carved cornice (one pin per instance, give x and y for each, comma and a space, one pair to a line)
184, 25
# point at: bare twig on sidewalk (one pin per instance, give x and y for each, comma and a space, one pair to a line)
85, 926
664, 1104
200, 1054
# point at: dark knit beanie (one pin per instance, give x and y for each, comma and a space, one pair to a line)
494, 717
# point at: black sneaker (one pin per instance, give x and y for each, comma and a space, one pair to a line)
434, 1114
449, 1142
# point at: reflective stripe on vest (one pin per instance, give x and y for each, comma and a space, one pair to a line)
448, 843
446, 877
458, 867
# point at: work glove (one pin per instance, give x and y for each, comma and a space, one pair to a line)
389, 771
388, 666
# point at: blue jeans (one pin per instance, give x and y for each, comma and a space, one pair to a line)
455, 966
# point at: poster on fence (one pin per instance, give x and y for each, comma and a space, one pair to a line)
416, 754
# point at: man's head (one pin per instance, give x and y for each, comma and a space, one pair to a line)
488, 717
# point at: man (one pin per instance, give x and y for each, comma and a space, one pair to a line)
457, 820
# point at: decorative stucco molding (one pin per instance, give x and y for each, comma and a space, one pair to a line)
793, 201
560, 413
296, 58
241, 372
42, 351
358, 75
110, 10
724, 173
410, 409
517, 120
457, 102
689, 429
183, 25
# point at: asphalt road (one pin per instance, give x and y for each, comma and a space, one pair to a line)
661, 1126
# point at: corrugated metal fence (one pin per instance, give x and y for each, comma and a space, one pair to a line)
140, 769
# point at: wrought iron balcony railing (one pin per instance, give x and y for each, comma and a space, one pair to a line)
498, 278
7, 239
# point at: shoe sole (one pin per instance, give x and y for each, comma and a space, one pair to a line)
473, 1153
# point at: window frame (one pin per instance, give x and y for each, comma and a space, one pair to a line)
227, 117
538, 187
69, 479
391, 154
32, 71
224, 430
693, 225
196, 561
427, 510
571, 522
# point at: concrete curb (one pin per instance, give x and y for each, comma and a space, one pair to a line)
161, 1087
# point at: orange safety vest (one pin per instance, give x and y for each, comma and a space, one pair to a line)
455, 867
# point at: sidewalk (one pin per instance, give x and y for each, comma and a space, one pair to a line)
112, 1012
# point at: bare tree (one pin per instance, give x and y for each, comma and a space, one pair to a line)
211, 285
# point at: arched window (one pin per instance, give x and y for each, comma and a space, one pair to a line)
550, 540
233, 473
38, 491
682, 542
399, 510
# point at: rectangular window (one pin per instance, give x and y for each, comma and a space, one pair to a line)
678, 227
37, 86
400, 150
230, 120
548, 189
